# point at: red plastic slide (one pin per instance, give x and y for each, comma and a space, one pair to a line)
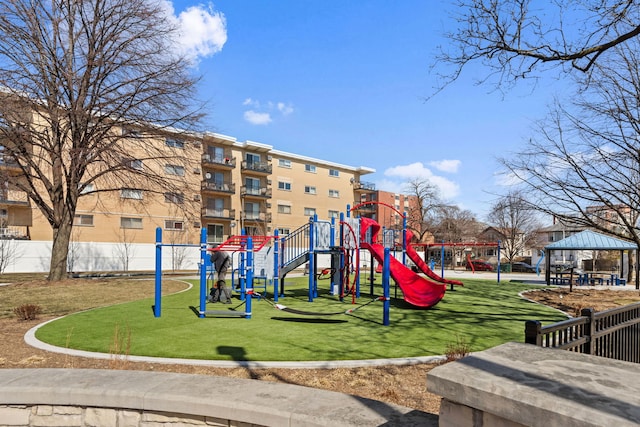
417, 290
419, 262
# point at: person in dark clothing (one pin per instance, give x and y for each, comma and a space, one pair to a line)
221, 262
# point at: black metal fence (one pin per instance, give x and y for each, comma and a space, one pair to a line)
613, 333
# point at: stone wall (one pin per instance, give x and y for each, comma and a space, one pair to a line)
515, 385
110, 398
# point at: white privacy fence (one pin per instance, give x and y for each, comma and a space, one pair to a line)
28, 256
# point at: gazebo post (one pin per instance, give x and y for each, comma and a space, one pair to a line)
547, 266
636, 268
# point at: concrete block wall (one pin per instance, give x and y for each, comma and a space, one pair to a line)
113, 398
515, 385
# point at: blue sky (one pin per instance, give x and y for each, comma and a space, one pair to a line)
346, 81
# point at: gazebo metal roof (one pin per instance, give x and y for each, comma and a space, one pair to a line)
588, 239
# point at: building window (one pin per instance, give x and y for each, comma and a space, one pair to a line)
130, 193
83, 220
334, 172
309, 211
284, 209
284, 163
175, 143
131, 223
251, 158
170, 224
131, 133
88, 188
135, 164
283, 231
286, 186
174, 170
308, 189
252, 210
334, 193
177, 198
215, 233
334, 214
310, 168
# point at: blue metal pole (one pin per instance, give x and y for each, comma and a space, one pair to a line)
312, 264
385, 287
442, 260
404, 238
332, 245
498, 261
158, 296
342, 258
203, 271
249, 291
276, 265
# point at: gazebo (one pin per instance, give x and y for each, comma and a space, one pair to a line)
590, 240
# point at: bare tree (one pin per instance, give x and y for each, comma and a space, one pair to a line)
125, 250
73, 253
422, 215
74, 75
517, 38
516, 221
9, 253
456, 225
583, 167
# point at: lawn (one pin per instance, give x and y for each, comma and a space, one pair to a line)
482, 314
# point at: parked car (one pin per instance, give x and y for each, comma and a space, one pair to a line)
522, 267
479, 265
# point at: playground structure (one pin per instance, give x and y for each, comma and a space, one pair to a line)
273, 257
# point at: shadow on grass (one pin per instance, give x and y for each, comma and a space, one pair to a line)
236, 353
308, 320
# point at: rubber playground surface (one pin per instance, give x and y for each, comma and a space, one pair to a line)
480, 314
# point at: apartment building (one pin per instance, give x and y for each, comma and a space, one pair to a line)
387, 208
253, 187
222, 184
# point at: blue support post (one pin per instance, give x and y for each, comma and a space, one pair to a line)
442, 260
341, 262
158, 279
332, 245
249, 276
312, 253
385, 287
203, 271
498, 261
404, 238
276, 265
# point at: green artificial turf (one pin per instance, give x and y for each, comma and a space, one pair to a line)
482, 314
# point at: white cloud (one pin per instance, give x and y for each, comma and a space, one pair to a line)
203, 31
404, 173
261, 112
285, 109
251, 102
446, 165
256, 118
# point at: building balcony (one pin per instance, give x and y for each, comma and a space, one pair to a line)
364, 187
261, 217
369, 208
14, 233
258, 168
8, 201
219, 187
223, 162
9, 163
255, 192
229, 214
